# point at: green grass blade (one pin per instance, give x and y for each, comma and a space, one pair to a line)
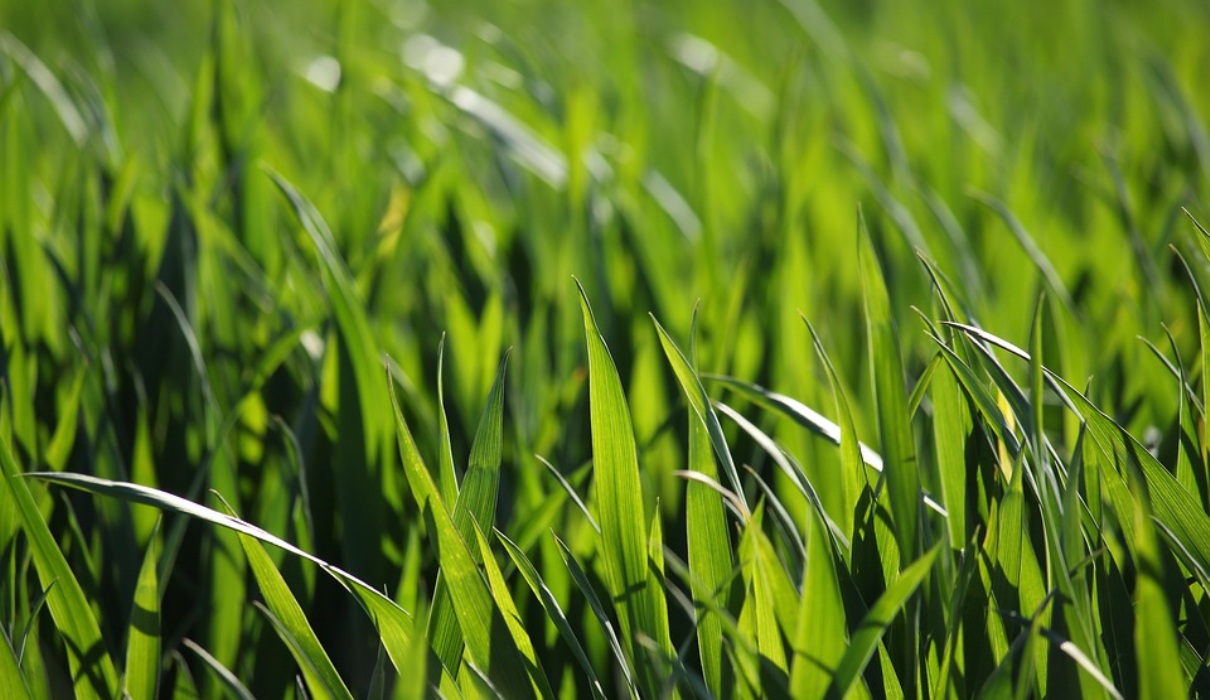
475, 506
92, 668
894, 423
394, 624
544, 595
598, 610
143, 635
869, 633
820, 637
291, 624
447, 475
12, 680
700, 402
620, 498
852, 477
485, 631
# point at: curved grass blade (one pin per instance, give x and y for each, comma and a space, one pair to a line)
571, 492
700, 402
852, 478
225, 676
620, 495
1171, 504
551, 606
585, 586
91, 666
868, 635
143, 635
394, 624
291, 624
808, 418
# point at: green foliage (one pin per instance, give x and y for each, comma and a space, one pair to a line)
313, 263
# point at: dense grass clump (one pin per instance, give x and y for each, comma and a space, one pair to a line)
528, 349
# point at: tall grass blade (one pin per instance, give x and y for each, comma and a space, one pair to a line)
620, 498
143, 644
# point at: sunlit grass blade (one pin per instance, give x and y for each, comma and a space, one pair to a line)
568, 635
394, 623
92, 667
852, 477
700, 402
620, 497
869, 632
475, 505
820, 637
1155, 635
483, 628
290, 622
12, 680
810, 419
143, 634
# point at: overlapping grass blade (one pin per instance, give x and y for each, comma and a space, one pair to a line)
869, 632
490, 645
12, 680
142, 674
544, 595
620, 498
894, 423
394, 624
820, 636
92, 667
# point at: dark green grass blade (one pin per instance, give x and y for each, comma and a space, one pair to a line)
894, 423
92, 667
620, 498
869, 633
143, 635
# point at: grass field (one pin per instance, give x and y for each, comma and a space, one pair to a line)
787, 348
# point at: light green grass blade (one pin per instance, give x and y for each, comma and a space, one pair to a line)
12, 680
291, 624
820, 638
700, 402
394, 624
710, 556
894, 423
869, 633
512, 617
447, 476
143, 635
1155, 634
544, 595
489, 645
852, 477
620, 499
92, 668
757, 580
475, 505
